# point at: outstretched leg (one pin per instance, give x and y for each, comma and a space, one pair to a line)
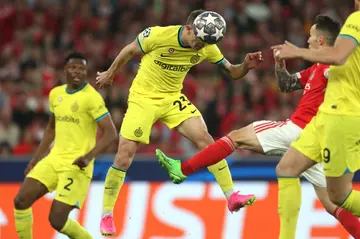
212, 156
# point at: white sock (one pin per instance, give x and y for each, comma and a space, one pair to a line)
228, 193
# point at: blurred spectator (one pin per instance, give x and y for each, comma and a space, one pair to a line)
5, 150
9, 131
26, 145
36, 35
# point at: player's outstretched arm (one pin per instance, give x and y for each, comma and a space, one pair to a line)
287, 82
106, 77
336, 55
238, 71
45, 143
109, 136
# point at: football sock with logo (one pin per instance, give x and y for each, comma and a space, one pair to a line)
288, 206
23, 223
352, 202
223, 177
74, 230
208, 156
350, 222
114, 181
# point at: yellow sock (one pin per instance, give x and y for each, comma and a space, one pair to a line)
223, 177
23, 223
352, 203
113, 183
74, 230
288, 206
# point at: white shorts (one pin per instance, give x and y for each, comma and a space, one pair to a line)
275, 138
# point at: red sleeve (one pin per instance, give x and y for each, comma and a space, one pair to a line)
304, 75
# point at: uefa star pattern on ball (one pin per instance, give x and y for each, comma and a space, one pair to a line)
210, 27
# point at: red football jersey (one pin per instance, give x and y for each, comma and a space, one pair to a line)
314, 80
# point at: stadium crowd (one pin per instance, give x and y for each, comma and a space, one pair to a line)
37, 34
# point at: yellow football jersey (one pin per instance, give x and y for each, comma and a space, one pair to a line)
166, 61
76, 114
342, 95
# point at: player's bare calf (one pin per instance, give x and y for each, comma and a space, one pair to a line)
59, 214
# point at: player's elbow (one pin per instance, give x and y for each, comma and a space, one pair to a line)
338, 58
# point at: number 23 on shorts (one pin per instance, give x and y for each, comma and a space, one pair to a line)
183, 103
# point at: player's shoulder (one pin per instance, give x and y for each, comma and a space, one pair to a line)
211, 49
354, 15
160, 30
57, 90
91, 92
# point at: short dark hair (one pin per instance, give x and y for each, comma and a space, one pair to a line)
193, 15
328, 25
75, 55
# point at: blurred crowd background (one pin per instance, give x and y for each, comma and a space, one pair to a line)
36, 35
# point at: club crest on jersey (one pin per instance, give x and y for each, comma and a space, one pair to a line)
138, 132
75, 107
59, 98
171, 50
195, 59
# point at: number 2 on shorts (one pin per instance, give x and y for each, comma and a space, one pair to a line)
71, 181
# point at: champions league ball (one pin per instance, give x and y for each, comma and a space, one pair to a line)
210, 27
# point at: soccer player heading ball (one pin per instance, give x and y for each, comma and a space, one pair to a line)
209, 27
155, 95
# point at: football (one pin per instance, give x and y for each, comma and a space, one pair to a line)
210, 27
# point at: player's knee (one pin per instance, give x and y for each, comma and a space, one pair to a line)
125, 154
236, 136
123, 159
122, 162
245, 138
57, 221
21, 203
283, 169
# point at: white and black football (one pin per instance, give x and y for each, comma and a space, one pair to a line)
210, 27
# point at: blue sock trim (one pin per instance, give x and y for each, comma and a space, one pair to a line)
114, 167
342, 202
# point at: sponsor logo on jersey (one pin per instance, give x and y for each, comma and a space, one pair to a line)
171, 67
354, 27
67, 118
